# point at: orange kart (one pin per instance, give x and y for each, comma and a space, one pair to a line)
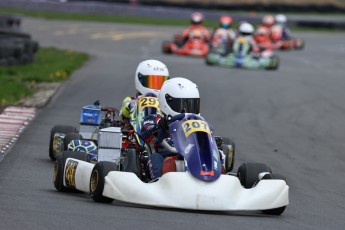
195, 45
286, 42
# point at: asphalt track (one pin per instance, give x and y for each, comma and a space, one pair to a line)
292, 119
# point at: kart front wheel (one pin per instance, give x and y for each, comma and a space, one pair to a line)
59, 167
97, 180
248, 173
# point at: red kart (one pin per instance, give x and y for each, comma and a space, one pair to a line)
276, 40
195, 45
285, 43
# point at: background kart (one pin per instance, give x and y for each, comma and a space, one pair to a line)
199, 185
265, 60
192, 47
91, 120
277, 41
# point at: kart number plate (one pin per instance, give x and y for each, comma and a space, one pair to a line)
192, 126
147, 102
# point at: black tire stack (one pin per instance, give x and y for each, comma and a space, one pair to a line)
16, 47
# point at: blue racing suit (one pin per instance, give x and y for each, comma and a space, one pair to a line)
151, 128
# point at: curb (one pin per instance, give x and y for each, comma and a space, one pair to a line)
13, 121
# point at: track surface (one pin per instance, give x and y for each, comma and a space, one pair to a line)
293, 119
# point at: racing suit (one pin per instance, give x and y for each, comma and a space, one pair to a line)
280, 32
186, 34
223, 37
244, 45
152, 127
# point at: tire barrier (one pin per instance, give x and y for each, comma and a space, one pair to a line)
16, 47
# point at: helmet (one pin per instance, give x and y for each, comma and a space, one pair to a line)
150, 76
280, 19
261, 34
268, 20
197, 18
246, 29
179, 95
225, 22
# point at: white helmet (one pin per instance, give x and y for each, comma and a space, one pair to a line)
179, 95
280, 19
197, 18
246, 28
268, 20
150, 76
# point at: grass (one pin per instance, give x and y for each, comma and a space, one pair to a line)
50, 65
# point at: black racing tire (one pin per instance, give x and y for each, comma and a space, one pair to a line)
70, 137
131, 162
207, 61
229, 151
166, 47
59, 167
248, 173
97, 180
35, 46
59, 129
276, 62
58, 174
301, 46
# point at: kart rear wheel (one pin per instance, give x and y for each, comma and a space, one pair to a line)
166, 47
299, 44
212, 58
58, 129
70, 137
100, 170
275, 61
229, 151
59, 167
248, 173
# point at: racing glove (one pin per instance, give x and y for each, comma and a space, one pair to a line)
163, 123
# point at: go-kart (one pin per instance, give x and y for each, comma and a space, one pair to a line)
256, 60
277, 40
195, 45
198, 185
91, 120
284, 41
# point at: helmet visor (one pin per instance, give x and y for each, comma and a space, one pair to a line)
184, 105
152, 81
225, 25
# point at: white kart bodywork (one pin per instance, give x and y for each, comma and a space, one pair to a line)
182, 190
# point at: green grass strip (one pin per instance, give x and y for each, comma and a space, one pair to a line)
50, 65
